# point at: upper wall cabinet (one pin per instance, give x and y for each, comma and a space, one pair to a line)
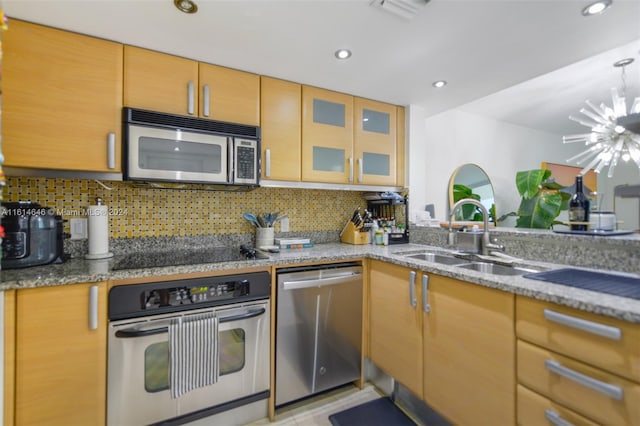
229, 95
160, 82
280, 111
62, 100
327, 136
167, 83
375, 142
350, 140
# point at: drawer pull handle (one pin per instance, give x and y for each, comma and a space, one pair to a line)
412, 289
555, 419
425, 294
612, 391
607, 331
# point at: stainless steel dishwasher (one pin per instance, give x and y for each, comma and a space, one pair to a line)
319, 329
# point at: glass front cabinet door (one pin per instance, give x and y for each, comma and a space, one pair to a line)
375, 142
327, 136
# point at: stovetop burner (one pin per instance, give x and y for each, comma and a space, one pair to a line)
187, 257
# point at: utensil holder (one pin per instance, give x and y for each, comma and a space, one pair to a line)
264, 237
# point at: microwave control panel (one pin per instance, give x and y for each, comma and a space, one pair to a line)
246, 161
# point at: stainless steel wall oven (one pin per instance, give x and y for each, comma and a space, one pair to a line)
220, 325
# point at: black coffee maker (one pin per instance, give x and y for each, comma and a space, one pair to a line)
33, 235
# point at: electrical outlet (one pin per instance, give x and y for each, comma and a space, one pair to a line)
284, 225
78, 227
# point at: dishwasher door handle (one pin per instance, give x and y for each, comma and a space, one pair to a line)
320, 282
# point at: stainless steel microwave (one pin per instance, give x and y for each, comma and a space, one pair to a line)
174, 148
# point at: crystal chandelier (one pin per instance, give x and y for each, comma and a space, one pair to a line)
611, 138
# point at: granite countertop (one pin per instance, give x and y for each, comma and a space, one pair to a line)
80, 271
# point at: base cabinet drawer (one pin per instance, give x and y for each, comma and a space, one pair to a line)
604, 342
589, 391
536, 410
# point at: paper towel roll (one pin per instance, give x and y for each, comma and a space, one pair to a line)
98, 228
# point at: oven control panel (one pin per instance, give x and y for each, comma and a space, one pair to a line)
140, 300
186, 295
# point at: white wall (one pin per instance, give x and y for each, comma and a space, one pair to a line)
501, 149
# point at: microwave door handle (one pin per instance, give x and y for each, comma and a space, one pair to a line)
230, 159
132, 332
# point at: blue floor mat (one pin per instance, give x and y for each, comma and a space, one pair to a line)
379, 412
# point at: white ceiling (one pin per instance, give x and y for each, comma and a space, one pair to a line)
480, 47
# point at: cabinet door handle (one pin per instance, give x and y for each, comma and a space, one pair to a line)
612, 391
111, 150
205, 101
267, 161
190, 98
93, 307
555, 419
350, 169
360, 172
425, 295
613, 333
412, 289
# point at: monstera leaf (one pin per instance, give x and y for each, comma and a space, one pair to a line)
542, 200
469, 211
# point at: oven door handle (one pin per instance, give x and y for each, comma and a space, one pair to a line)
132, 332
249, 314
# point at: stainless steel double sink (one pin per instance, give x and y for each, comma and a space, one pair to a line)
480, 266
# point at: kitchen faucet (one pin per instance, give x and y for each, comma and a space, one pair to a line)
487, 245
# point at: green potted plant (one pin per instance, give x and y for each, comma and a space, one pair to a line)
469, 211
542, 199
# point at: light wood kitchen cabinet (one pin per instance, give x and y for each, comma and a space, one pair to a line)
589, 391
349, 140
607, 343
232, 95
160, 82
536, 410
395, 323
375, 142
61, 100
280, 112
60, 358
469, 351
166, 83
586, 362
327, 136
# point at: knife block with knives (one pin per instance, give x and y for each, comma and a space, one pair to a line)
356, 231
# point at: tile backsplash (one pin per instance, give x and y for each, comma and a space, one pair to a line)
140, 211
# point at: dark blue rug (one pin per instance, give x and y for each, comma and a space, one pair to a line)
379, 412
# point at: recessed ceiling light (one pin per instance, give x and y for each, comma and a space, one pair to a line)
439, 84
597, 7
186, 6
343, 53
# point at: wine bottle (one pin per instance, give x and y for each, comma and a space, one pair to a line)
578, 208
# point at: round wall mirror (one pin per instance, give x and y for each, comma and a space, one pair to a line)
470, 181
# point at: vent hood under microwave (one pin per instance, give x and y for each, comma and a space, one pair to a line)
166, 148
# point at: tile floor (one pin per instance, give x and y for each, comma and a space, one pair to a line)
315, 411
